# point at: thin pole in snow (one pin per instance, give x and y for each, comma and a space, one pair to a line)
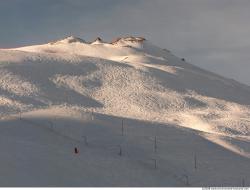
120, 150
195, 161
20, 114
187, 180
122, 128
92, 115
243, 182
85, 140
155, 145
155, 163
65, 96
51, 124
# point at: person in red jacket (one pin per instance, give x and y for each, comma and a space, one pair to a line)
76, 150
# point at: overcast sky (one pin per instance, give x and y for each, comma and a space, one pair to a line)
213, 34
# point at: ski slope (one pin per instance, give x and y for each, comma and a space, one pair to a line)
139, 115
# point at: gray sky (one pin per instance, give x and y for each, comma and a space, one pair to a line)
213, 34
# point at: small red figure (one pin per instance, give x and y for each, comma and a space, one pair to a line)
76, 151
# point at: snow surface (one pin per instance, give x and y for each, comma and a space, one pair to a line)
70, 93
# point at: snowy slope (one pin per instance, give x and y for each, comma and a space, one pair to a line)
56, 87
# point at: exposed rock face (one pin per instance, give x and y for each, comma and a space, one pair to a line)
128, 39
98, 40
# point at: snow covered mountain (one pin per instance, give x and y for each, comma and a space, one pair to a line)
79, 91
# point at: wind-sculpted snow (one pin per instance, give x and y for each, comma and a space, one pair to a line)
129, 78
15, 84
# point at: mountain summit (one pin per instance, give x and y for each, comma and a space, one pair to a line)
69, 39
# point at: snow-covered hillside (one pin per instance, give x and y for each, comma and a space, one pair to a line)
71, 91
